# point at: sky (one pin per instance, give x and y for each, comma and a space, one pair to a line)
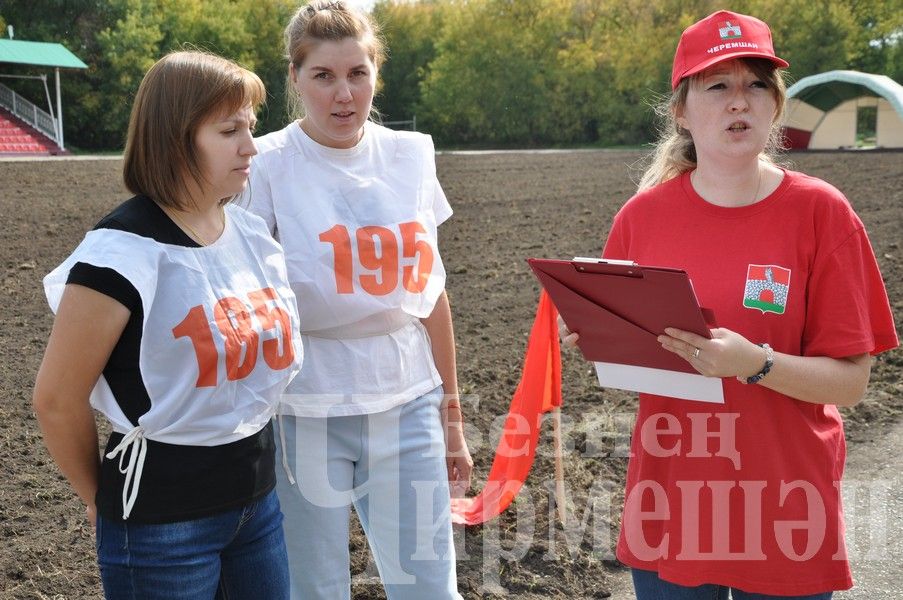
361, 4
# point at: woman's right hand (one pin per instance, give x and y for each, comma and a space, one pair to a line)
568, 337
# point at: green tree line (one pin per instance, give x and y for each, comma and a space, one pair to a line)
474, 72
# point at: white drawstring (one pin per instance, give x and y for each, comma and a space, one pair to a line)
136, 465
285, 466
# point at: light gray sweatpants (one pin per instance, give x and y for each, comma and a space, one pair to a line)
391, 466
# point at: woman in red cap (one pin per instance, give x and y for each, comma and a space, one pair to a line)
743, 498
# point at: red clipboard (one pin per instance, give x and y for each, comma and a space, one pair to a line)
620, 308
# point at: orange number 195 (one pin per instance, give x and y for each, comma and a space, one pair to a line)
377, 249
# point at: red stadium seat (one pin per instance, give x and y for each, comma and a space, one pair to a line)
17, 137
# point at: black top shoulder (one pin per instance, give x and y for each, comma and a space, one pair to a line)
142, 216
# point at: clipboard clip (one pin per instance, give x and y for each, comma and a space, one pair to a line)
623, 268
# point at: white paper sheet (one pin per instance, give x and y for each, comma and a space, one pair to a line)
687, 386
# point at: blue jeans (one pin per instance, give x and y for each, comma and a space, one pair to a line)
648, 586
235, 555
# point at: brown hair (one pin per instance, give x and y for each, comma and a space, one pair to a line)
325, 20
675, 152
179, 93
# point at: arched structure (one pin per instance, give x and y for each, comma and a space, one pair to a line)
822, 110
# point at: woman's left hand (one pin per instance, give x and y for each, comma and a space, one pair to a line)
457, 458
726, 354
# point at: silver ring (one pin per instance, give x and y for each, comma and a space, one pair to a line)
696, 353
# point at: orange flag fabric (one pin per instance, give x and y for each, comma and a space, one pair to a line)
538, 392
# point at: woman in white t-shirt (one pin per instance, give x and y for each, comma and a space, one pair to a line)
374, 417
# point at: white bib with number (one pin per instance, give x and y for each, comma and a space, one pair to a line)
219, 342
359, 230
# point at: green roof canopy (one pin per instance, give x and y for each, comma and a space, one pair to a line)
38, 53
827, 90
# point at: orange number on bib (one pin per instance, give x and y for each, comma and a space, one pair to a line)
410, 249
241, 339
341, 248
276, 319
386, 260
196, 327
377, 249
234, 322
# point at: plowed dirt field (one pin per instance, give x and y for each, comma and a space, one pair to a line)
507, 207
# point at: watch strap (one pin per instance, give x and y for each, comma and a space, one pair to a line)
769, 362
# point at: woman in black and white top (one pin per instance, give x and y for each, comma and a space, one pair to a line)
175, 321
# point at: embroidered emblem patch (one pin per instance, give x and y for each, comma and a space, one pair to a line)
767, 288
728, 30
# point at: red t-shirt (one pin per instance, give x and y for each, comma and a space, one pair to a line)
747, 494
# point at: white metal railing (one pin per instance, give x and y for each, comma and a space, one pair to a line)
28, 112
412, 123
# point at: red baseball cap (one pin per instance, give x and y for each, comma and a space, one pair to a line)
721, 36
